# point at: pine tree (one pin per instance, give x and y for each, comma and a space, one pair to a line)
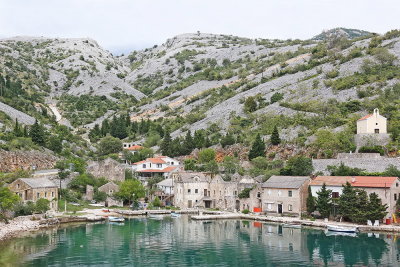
227, 140
188, 144
258, 148
376, 210
198, 139
275, 139
37, 134
166, 145
17, 129
310, 203
250, 105
361, 207
347, 202
324, 201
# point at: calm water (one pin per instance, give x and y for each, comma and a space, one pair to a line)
182, 242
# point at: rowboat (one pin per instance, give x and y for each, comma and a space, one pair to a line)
291, 225
343, 229
115, 219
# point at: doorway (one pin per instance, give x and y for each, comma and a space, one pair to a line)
189, 204
280, 208
237, 205
376, 131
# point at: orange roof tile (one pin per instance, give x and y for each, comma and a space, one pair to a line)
135, 148
356, 181
365, 117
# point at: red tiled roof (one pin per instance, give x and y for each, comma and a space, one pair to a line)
152, 160
365, 117
168, 169
135, 148
356, 181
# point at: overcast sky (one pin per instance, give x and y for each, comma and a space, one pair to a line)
124, 25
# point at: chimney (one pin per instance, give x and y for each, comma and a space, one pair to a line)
353, 180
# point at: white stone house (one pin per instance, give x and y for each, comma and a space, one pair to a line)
150, 167
372, 124
110, 189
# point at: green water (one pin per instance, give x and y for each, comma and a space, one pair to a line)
182, 242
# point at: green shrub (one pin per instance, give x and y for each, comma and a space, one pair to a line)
245, 211
372, 149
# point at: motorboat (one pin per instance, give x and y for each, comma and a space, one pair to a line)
343, 229
156, 216
291, 225
116, 219
332, 233
175, 215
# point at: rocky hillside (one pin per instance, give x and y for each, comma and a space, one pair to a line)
216, 82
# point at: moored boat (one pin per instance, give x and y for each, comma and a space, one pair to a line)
343, 229
175, 215
291, 225
115, 219
156, 216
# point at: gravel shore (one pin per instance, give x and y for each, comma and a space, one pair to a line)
18, 225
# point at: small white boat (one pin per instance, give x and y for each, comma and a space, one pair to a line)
175, 215
156, 216
343, 229
115, 219
291, 225
331, 233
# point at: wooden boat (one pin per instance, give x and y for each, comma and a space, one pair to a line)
291, 225
115, 219
343, 229
175, 215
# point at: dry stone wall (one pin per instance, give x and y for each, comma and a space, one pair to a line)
13, 160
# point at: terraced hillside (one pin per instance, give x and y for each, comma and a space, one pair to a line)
311, 90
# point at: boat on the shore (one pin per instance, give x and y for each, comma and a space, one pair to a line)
342, 229
175, 215
116, 219
291, 225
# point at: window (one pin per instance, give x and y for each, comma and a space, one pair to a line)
18, 186
235, 193
38, 195
150, 165
172, 163
269, 206
290, 193
290, 208
335, 194
279, 192
52, 194
196, 191
159, 165
397, 184
258, 194
376, 123
395, 196
144, 166
189, 191
45, 194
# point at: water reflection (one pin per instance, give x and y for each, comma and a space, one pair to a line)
183, 242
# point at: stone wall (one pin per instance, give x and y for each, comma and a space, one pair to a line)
13, 160
368, 164
111, 169
371, 139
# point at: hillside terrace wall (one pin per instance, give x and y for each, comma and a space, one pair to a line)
13, 160
367, 164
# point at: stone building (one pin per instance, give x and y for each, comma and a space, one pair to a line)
196, 189
387, 188
32, 189
110, 189
372, 130
285, 194
372, 124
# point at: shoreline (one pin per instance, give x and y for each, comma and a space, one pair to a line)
33, 223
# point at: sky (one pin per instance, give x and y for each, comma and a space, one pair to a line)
125, 25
